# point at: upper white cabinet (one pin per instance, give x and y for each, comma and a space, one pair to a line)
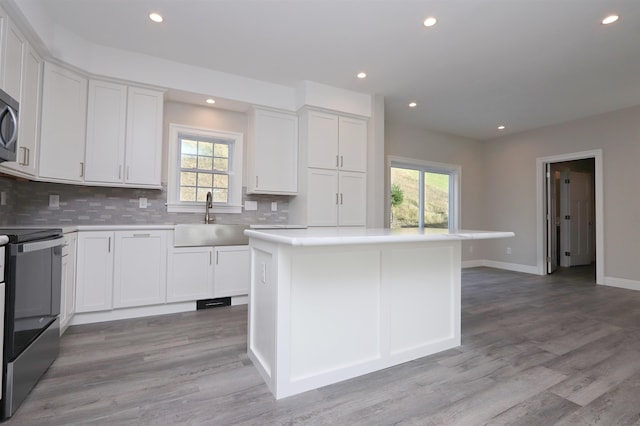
144, 137
106, 131
335, 142
124, 135
140, 263
13, 48
272, 158
63, 126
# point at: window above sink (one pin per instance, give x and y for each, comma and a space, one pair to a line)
203, 160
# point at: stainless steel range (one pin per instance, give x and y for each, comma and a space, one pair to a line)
31, 327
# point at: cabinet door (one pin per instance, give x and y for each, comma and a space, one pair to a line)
29, 122
322, 197
353, 144
106, 120
273, 153
94, 286
322, 140
190, 274
14, 46
353, 199
63, 127
231, 271
140, 276
144, 137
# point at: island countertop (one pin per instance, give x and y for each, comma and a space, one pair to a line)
358, 235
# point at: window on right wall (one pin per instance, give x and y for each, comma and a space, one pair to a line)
423, 194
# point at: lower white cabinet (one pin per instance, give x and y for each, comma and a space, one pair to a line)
94, 280
120, 269
140, 268
68, 283
231, 272
190, 274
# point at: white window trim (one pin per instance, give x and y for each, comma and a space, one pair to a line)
234, 205
453, 170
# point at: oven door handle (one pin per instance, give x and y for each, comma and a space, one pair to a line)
40, 245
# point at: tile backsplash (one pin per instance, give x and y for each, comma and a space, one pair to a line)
27, 203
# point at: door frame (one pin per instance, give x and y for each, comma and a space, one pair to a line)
541, 226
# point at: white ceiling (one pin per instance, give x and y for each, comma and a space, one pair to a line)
521, 63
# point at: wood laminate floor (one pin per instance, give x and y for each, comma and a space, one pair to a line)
535, 351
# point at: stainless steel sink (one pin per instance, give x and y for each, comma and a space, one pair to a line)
209, 235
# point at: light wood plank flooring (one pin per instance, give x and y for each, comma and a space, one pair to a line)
536, 351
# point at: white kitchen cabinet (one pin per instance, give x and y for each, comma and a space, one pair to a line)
106, 131
144, 137
63, 124
29, 121
139, 277
231, 272
68, 286
13, 46
94, 279
123, 120
272, 158
335, 142
336, 198
190, 274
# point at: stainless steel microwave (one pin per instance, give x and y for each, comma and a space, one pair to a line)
8, 127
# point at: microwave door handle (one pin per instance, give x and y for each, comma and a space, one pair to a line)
7, 143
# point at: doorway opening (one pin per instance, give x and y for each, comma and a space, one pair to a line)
570, 213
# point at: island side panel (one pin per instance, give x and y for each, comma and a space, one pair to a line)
263, 310
423, 298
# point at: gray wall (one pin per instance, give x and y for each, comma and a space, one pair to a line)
510, 186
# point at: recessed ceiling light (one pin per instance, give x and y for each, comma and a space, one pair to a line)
430, 21
413, 105
362, 75
156, 17
210, 101
610, 19
500, 127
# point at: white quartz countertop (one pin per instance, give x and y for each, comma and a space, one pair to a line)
340, 236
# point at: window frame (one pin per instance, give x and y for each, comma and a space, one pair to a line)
453, 170
234, 203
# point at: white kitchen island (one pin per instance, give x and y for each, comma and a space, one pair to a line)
329, 304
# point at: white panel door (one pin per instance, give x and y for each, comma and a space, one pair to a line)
322, 197
353, 199
353, 144
231, 271
94, 280
190, 274
63, 126
273, 153
140, 276
322, 140
106, 130
144, 137
14, 47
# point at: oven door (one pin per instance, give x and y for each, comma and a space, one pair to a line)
33, 292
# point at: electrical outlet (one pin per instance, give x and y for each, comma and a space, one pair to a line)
250, 205
142, 202
54, 201
3, 198
508, 250
274, 206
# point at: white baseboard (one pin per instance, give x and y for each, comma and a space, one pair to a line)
127, 313
622, 283
516, 267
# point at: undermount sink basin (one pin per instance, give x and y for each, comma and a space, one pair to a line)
209, 235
